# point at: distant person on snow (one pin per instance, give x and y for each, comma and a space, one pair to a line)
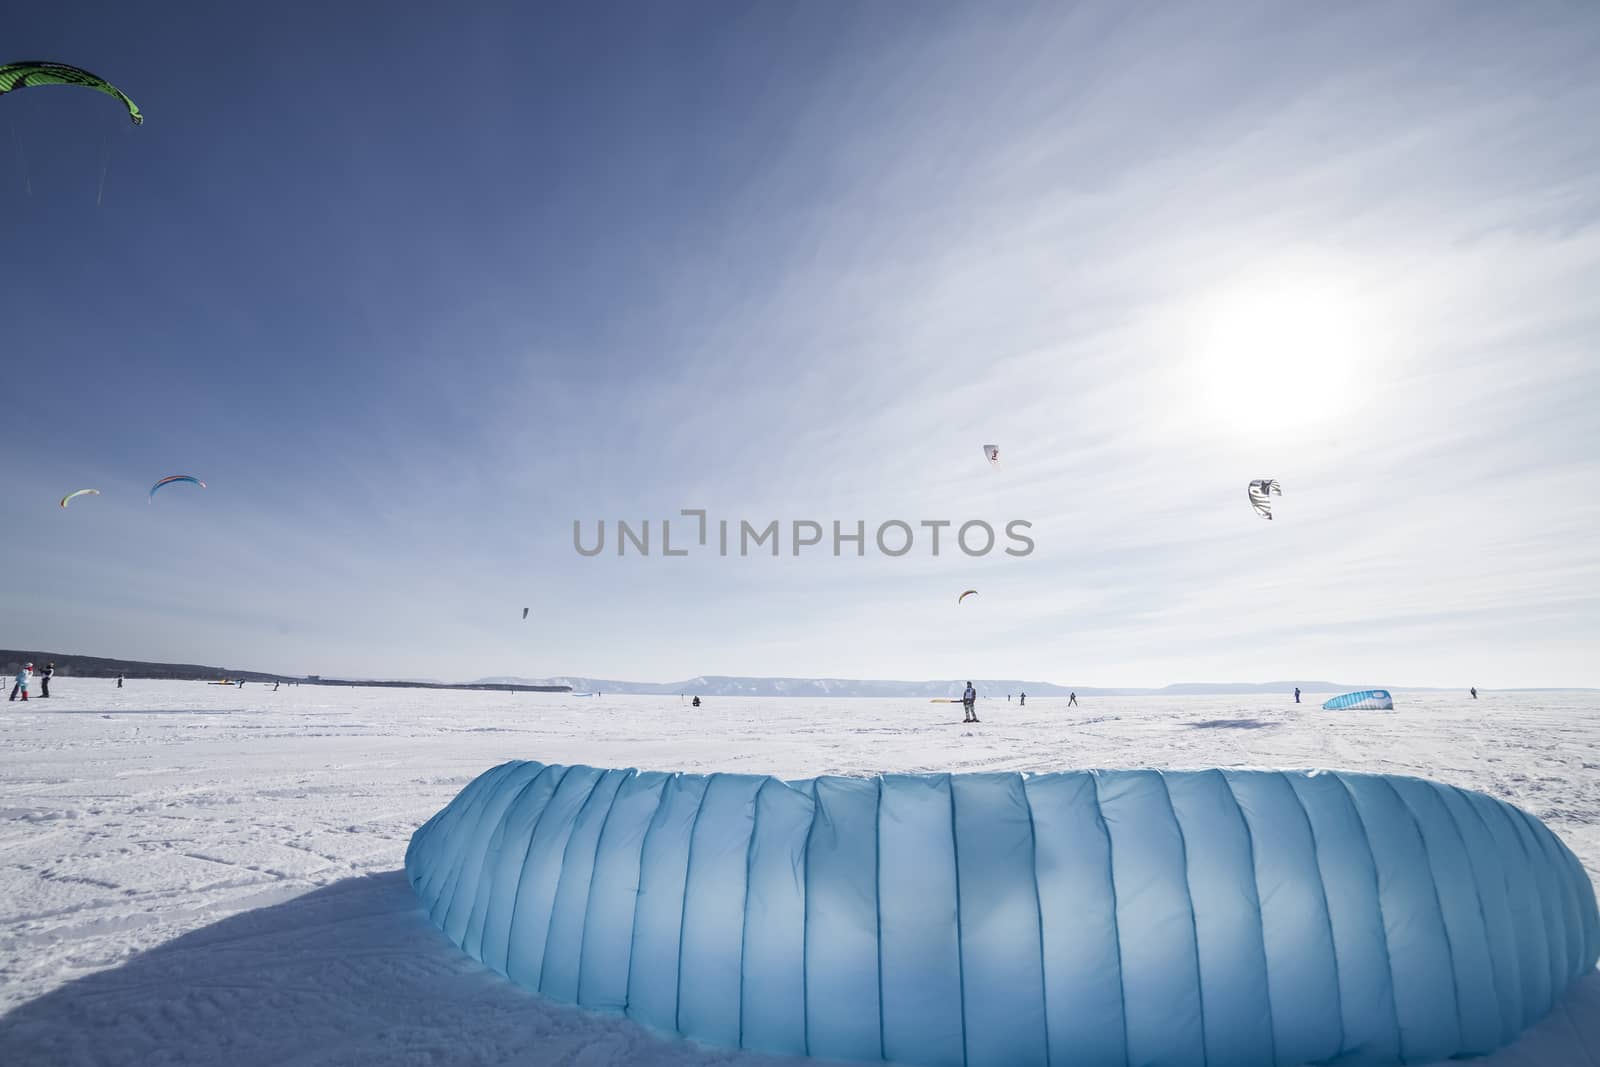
119, 681
1297, 694
275, 686
969, 698
695, 703
1072, 700
1024, 701
44, 680
22, 681
1474, 692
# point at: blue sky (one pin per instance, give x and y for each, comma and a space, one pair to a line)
414, 287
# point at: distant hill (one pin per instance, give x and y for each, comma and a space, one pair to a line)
69, 664
719, 685
726, 686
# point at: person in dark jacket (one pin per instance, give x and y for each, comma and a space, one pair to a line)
44, 680
969, 700
1297, 694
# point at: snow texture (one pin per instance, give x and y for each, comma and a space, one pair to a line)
1097, 918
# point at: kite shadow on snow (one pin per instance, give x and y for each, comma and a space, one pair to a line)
352, 973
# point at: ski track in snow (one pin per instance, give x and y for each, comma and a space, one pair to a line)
204, 874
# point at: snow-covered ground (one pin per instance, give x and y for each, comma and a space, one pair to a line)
204, 874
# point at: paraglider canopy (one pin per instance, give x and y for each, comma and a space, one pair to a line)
171, 478
77, 493
1260, 489
993, 454
28, 73
963, 596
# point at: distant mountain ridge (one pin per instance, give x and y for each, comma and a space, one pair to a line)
728, 686
71, 664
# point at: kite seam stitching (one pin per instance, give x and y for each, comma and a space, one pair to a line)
1563, 894
1261, 926
1038, 904
1383, 922
1327, 909
1444, 924
628, 775
638, 890
1116, 917
472, 817
516, 899
1538, 891
483, 867
1503, 869
744, 918
683, 906
566, 850
1477, 892
1194, 922
877, 905
961, 963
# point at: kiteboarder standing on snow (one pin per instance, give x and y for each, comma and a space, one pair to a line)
1474, 692
44, 679
969, 697
22, 681
1297, 694
1024, 701
1072, 700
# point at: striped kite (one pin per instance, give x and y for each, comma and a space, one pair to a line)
36, 72
171, 478
78, 493
1260, 489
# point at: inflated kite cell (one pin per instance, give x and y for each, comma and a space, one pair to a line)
1092, 918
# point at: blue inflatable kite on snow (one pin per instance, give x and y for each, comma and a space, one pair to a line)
1093, 918
1363, 700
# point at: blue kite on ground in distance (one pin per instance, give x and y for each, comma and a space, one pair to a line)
1363, 700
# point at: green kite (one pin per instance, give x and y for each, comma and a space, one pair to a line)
23, 75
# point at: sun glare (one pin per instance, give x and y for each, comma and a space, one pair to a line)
1272, 356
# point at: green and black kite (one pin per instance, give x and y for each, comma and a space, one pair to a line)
25, 75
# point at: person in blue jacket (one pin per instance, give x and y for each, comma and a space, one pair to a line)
24, 676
